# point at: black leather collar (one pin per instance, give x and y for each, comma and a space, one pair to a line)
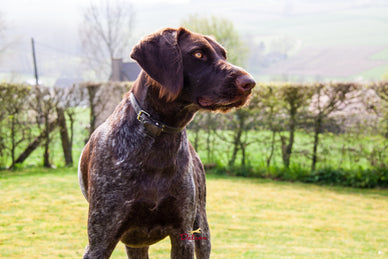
154, 127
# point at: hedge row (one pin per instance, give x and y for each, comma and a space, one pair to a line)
283, 124
325, 133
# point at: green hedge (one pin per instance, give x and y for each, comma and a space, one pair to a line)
326, 133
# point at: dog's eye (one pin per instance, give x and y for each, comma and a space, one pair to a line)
199, 55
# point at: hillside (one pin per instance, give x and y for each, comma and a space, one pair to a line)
345, 63
300, 40
341, 44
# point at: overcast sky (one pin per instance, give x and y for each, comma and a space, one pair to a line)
58, 10
24, 16
54, 24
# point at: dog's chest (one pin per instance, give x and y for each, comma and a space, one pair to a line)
157, 209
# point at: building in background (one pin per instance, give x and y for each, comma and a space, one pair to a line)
124, 71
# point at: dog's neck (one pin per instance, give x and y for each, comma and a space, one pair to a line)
174, 114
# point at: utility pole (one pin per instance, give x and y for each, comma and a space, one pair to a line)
34, 57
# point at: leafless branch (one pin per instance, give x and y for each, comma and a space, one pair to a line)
105, 34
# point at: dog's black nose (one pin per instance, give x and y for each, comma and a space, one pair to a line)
245, 82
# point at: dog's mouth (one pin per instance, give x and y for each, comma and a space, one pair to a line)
222, 105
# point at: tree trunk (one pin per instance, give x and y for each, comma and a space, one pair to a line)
236, 145
92, 91
33, 145
71, 118
317, 130
386, 130
269, 159
66, 143
13, 137
2, 147
46, 136
243, 160
287, 148
285, 156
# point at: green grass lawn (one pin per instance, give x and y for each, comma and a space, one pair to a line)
43, 215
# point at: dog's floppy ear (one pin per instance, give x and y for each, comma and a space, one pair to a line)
160, 57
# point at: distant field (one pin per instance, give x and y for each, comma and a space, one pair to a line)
383, 55
342, 27
341, 44
43, 215
345, 62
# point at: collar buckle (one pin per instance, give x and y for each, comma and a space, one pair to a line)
153, 127
141, 114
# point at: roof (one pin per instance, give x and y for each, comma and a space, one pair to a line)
130, 70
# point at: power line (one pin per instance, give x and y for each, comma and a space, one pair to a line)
56, 49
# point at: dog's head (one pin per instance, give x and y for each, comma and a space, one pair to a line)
191, 67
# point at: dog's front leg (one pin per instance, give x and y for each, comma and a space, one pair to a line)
102, 242
105, 227
181, 247
202, 243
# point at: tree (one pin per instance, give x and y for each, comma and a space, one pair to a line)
94, 100
50, 106
224, 32
105, 33
381, 90
268, 104
295, 98
69, 101
35, 143
242, 124
43, 101
14, 124
327, 99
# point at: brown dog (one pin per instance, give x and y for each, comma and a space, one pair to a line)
141, 176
